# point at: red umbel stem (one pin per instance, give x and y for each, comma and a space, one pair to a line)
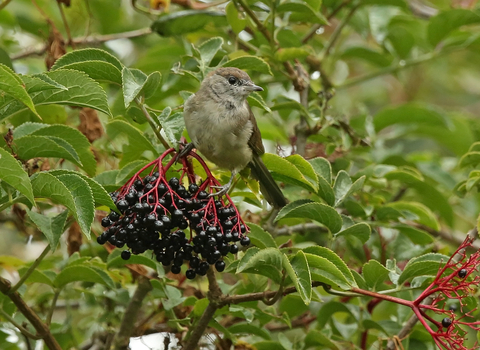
448, 284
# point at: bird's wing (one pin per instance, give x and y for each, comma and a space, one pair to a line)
255, 141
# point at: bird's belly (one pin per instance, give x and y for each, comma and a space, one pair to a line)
225, 143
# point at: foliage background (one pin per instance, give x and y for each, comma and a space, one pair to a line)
391, 93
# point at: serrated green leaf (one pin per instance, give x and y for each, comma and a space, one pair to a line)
132, 83
374, 273
40, 82
283, 170
325, 271
249, 63
379, 59
299, 272
100, 195
343, 186
266, 262
134, 259
107, 179
301, 12
425, 265
260, 238
268, 345
173, 127
256, 100
335, 259
45, 185
248, 329
89, 54
208, 49
319, 212
316, 338
82, 91
322, 168
29, 147
13, 174
51, 227
415, 235
305, 168
330, 308
83, 199
74, 138
11, 84
129, 170
36, 276
290, 53
420, 213
151, 85
445, 22
469, 159
77, 273
187, 21
360, 230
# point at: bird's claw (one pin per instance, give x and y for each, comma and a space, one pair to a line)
223, 190
184, 151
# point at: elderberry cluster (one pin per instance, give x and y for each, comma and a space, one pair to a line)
155, 214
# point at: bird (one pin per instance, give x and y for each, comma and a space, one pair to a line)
221, 125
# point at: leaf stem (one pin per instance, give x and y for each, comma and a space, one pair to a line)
4, 3
152, 123
52, 307
30, 270
20, 327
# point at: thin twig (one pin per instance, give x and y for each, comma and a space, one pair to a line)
65, 24
22, 329
42, 329
152, 123
53, 306
300, 228
30, 270
91, 40
4, 3
130, 316
255, 19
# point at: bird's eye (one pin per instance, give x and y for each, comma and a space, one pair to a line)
232, 80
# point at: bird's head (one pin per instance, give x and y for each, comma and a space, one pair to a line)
231, 83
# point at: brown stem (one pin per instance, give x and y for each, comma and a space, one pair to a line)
92, 40
122, 338
300, 228
65, 24
255, 19
152, 124
42, 329
4, 3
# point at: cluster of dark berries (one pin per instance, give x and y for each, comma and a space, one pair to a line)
180, 225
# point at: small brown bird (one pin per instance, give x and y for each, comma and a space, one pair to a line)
223, 128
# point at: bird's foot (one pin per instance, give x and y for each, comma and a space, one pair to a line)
184, 151
223, 190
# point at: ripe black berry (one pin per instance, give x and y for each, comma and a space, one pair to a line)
174, 183
462, 273
446, 322
122, 205
106, 222
190, 273
234, 249
176, 269
102, 239
220, 265
193, 188
202, 195
138, 184
245, 241
161, 189
126, 255
113, 216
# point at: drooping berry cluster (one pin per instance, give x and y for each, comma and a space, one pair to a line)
178, 224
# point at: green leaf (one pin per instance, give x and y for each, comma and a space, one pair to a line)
83, 199
417, 212
82, 91
77, 273
343, 186
425, 265
36, 276
208, 49
266, 262
182, 22
128, 171
256, 100
103, 72
325, 271
317, 339
283, 170
45, 185
469, 159
117, 261
415, 235
445, 22
74, 138
236, 22
298, 270
260, 238
361, 231
41, 82
322, 168
374, 273
13, 174
100, 195
107, 180
51, 227
29, 147
305, 168
410, 114
319, 212
268, 345
11, 84
377, 58
331, 256
173, 126
137, 142
301, 12
290, 53
151, 85
330, 308
250, 63
132, 83
85, 55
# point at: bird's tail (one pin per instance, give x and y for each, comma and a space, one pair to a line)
268, 186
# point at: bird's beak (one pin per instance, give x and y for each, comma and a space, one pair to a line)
252, 87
